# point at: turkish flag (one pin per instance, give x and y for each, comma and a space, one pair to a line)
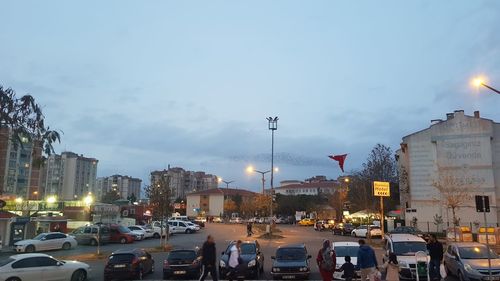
340, 159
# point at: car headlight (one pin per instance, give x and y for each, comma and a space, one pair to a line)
276, 269
222, 264
303, 269
252, 263
469, 268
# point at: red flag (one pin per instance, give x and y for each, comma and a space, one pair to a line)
340, 159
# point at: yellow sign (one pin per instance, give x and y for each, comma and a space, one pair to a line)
381, 188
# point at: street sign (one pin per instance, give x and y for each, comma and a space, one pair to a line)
381, 188
480, 207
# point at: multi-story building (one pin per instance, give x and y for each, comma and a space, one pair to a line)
313, 186
183, 182
69, 176
210, 202
125, 186
19, 166
460, 153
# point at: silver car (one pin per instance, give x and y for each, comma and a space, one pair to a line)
469, 262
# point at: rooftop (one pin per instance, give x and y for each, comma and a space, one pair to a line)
224, 191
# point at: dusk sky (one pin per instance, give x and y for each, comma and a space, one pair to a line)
143, 84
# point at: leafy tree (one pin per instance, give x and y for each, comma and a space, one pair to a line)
230, 206
24, 117
110, 197
159, 194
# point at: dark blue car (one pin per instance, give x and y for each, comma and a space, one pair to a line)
252, 257
291, 262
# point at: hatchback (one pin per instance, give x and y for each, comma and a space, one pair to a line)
128, 264
291, 262
182, 263
469, 261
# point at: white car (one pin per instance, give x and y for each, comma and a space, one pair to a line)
158, 228
236, 220
146, 233
182, 227
197, 227
42, 267
138, 234
361, 231
343, 249
46, 241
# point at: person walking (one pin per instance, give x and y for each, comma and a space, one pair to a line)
234, 260
391, 268
326, 260
348, 269
249, 229
367, 262
435, 249
208, 259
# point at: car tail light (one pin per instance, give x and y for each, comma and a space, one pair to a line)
166, 264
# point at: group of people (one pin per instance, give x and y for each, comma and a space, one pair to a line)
368, 266
209, 259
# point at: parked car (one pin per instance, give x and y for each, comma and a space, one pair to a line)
217, 220
236, 220
306, 222
42, 267
469, 261
196, 226
321, 225
121, 234
182, 264
252, 257
362, 230
46, 241
291, 262
161, 228
405, 246
198, 222
146, 232
343, 228
343, 249
89, 235
181, 227
128, 264
408, 230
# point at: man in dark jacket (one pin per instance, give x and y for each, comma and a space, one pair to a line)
436, 254
208, 259
367, 262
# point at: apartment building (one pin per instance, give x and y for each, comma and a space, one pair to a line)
125, 186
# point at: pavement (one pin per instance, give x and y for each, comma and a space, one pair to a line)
223, 234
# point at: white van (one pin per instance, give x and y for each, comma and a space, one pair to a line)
179, 218
405, 246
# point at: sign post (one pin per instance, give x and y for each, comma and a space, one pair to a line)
483, 206
381, 189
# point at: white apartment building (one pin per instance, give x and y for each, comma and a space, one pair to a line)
69, 176
125, 186
313, 186
461, 149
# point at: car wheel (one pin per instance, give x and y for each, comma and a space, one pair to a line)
156, 235
66, 246
123, 240
93, 242
79, 275
29, 249
13, 279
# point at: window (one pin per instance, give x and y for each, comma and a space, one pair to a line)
46, 261
59, 236
87, 230
25, 263
6, 261
182, 224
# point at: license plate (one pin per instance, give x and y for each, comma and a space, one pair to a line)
288, 277
180, 272
493, 278
120, 265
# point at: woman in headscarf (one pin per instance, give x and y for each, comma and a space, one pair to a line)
326, 261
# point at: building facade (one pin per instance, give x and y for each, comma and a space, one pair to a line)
19, 171
313, 186
69, 176
210, 202
125, 186
459, 153
183, 182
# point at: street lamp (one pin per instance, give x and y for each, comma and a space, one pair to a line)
226, 182
251, 169
18, 200
51, 199
273, 126
481, 81
88, 200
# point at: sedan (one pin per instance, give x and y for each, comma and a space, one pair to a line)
42, 267
252, 260
306, 222
291, 262
146, 232
343, 229
362, 230
46, 241
128, 264
469, 261
182, 264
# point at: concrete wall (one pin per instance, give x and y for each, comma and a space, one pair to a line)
192, 202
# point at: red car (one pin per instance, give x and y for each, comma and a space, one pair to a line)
120, 234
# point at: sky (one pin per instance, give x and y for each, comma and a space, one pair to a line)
141, 85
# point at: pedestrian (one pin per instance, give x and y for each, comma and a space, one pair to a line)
249, 229
391, 268
234, 260
326, 260
367, 262
435, 249
348, 269
208, 259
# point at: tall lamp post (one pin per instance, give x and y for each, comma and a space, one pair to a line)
226, 182
251, 169
481, 81
273, 126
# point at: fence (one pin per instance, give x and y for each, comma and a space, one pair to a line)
432, 227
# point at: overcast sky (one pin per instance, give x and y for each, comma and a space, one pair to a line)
143, 84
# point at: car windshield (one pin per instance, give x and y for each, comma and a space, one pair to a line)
343, 251
39, 236
409, 248
121, 258
123, 229
6, 261
476, 252
247, 249
182, 255
291, 254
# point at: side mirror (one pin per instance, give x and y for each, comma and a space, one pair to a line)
273, 257
43, 239
309, 256
59, 263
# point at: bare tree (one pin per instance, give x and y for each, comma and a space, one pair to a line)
454, 192
159, 194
